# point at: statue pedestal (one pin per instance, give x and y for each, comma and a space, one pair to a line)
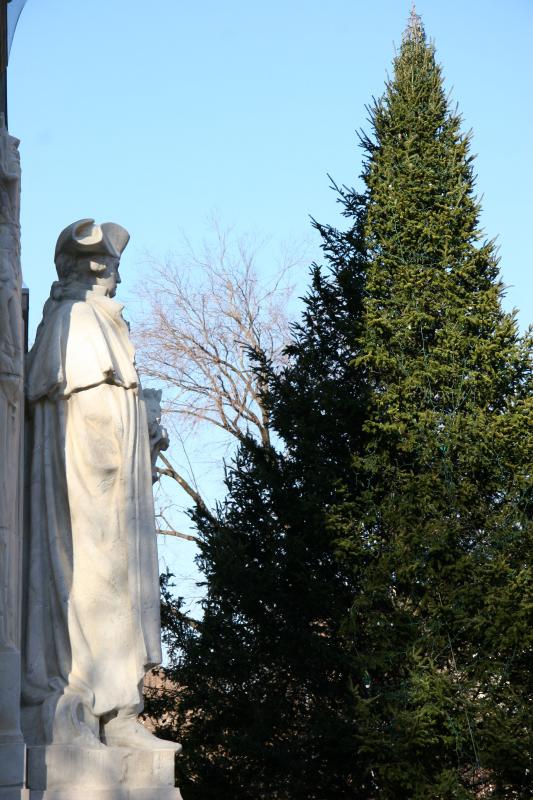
63, 772
11, 742
12, 767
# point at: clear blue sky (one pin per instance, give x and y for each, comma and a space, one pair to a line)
155, 115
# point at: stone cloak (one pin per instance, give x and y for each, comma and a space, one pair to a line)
92, 599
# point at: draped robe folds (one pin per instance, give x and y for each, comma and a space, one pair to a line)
92, 586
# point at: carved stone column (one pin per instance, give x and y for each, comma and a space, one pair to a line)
11, 483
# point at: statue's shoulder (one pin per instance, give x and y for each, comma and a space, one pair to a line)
70, 317
78, 346
80, 313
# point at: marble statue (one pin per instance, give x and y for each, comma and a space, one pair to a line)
11, 417
92, 586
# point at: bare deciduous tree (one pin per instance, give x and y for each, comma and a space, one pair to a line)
203, 316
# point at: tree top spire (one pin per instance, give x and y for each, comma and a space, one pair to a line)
414, 31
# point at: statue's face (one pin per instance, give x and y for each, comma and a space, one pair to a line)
105, 273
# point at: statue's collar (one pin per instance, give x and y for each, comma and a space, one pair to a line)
90, 294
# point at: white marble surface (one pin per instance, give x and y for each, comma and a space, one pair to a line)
112, 773
91, 576
104, 794
11, 410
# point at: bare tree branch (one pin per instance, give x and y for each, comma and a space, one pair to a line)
180, 535
202, 318
193, 623
193, 494
205, 316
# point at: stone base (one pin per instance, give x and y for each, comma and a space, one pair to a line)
14, 794
62, 772
11, 770
107, 794
11, 742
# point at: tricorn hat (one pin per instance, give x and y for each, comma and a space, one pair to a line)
85, 237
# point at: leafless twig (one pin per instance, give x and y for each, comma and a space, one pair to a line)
204, 317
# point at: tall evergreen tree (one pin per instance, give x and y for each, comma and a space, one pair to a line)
265, 704
367, 629
441, 533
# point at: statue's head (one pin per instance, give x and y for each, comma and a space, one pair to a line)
90, 254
